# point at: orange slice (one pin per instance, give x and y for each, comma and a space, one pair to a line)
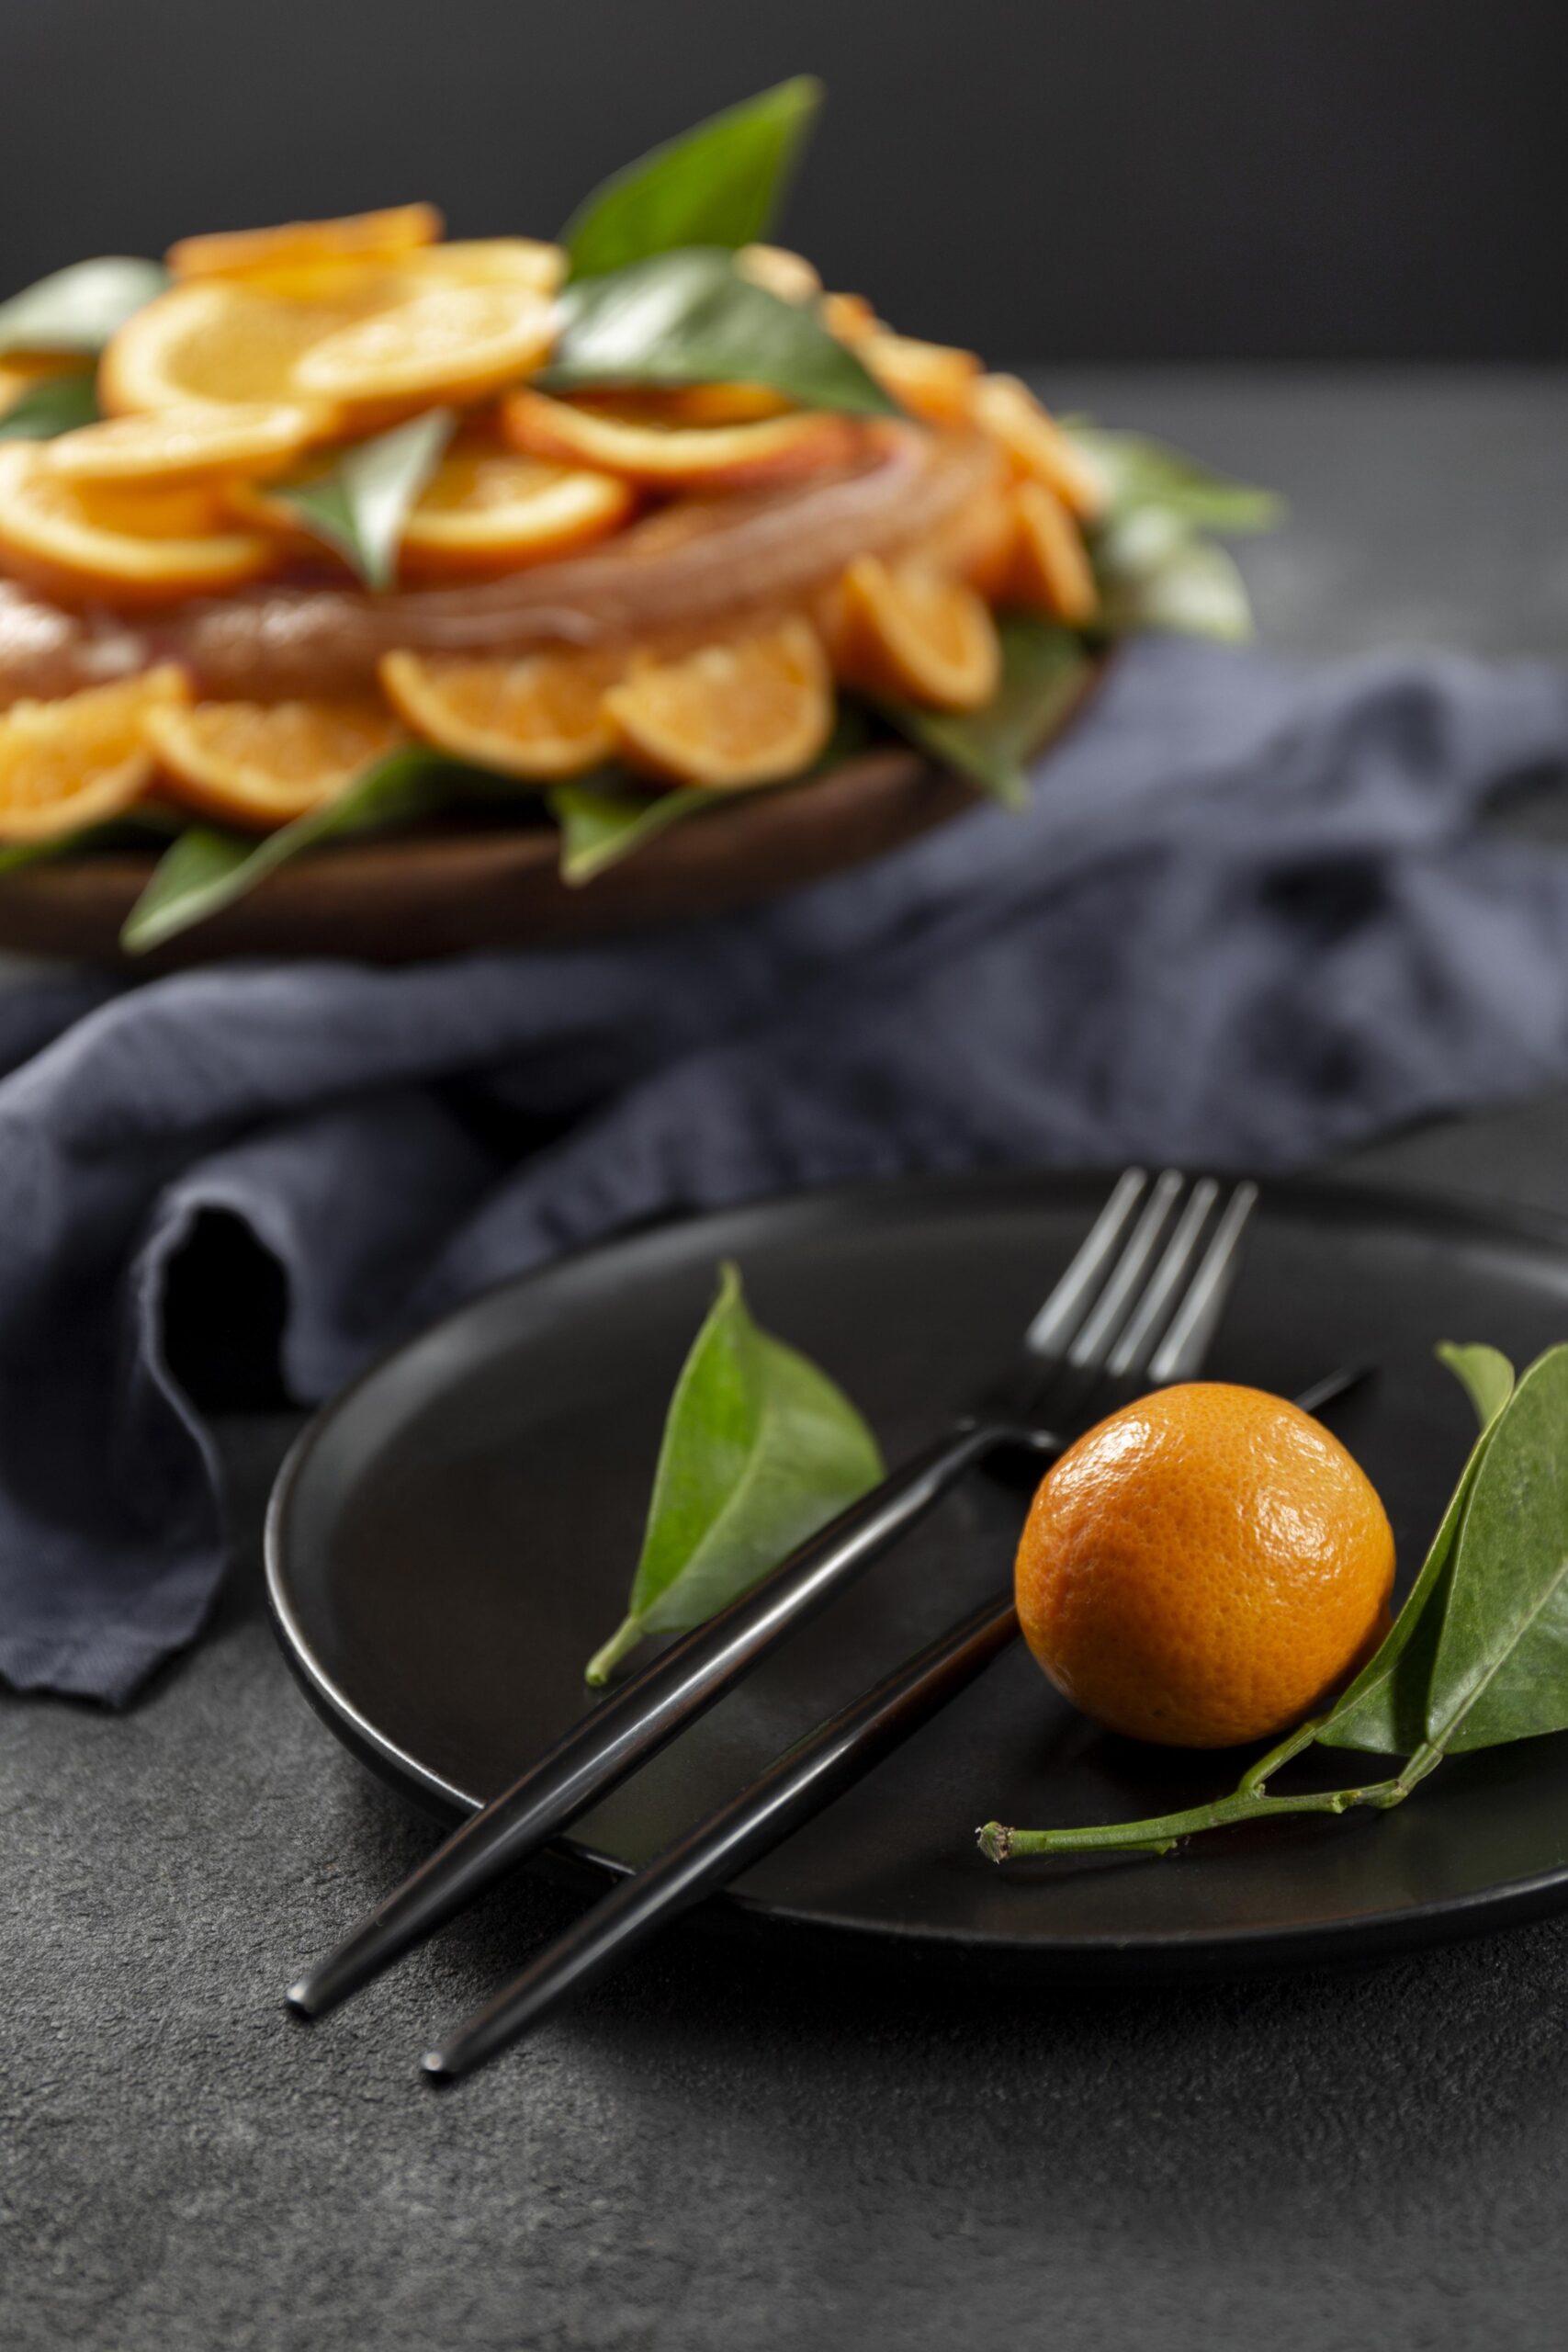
358, 236
634, 441
850, 317
538, 717
82, 759
125, 543
453, 342
748, 710
259, 764
488, 509
778, 271
221, 340
716, 403
916, 634
488, 261
930, 379
1035, 445
182, 444
1050, 570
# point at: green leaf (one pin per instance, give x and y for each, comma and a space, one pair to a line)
603, 817
718, 185
360, 504
1502, 1663
78, 309
1154, 574
760, 1451
54, 404
1384, 1709
600, 824
689, 318
131, 831
1139, 473
1044, 670
208, 869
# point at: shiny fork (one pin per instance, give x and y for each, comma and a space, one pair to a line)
1135, 1309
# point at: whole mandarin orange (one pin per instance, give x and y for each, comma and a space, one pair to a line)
1203, 1567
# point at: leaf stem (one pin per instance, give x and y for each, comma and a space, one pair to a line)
1000, 1844
603, 1662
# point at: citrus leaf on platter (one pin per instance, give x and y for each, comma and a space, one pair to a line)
80, 308
1154, 573
1044, 671
761, 1449
208, 868
361, 504
1502, 1664
718, 184
689, 317
54, 404
1384, 1709
602, 823
1137, 474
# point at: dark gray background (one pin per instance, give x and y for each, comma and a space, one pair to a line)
1095, 179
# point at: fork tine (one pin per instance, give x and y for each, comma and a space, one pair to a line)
1093, 1341
1182, 1352
1152, 1312
1064, 1311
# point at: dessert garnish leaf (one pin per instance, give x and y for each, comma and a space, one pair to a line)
760, 1450
689, 317
1135, 472
361, 504
78, 309
719, 184
1154, 572
208, 868
54, 404
602, 823
1044, 671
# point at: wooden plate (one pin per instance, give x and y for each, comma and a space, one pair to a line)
477, 883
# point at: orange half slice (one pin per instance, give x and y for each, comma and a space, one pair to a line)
80, 761
918, 635
746, 711
638, 443
538, 717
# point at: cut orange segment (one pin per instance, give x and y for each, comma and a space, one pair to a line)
454, 343
778, 271
631, 440
80, 761
748, 710
221, 340
294, 245
540, 716
1050, 569
125, 543
488, 261
180, 444
916, 634
850, 317
1036, 446
716, 403
930, 379
259, 764
488, 509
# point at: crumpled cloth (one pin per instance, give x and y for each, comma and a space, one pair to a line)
1251, 918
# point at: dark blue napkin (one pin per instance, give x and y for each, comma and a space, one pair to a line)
1250, 918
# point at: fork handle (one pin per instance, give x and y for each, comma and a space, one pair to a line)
635, 1721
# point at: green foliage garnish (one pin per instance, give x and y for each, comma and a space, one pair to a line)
207, 868
719, 184
760, 1451
1154, 572
361, 504
689, 318
1138, 474
133, 830
54, 404
1044, 671
602, 823
1478, 1655
78, 309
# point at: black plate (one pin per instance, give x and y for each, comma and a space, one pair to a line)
453, 1537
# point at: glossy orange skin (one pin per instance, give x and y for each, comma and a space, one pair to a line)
1203, 1567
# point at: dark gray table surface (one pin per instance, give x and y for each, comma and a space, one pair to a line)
713, 2151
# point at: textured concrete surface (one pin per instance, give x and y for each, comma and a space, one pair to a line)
714, 2152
